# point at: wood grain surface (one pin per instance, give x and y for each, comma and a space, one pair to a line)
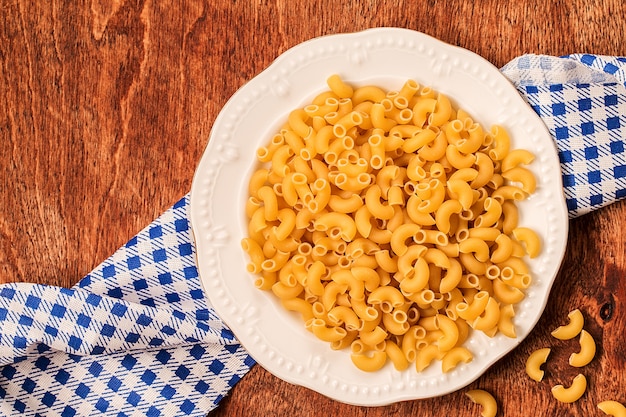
106, 107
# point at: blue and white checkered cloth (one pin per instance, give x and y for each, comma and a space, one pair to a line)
135, 337
138, 337
582, 100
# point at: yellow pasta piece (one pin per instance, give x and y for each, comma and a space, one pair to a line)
344, 343
436, 149
452, 277
437, 257
417, 216
505, 324
369, 93
454, 357
462, 192
471, 264
283, 291
255, 253
475, 138
299, 305
573, 328
422, 109
354, 184
374, 205
275, 263
477, 246
534, 363
345, 205
517, 157
379, 118
345, 276
510, 215
453, 130
348, 121
493, 210
475, 308
400, 236
504, 249
450, 333
370, 278
396, 355
425, 356
324, 105
457, 159
485, 170
339, 87
369, 362
434, 237
395, 322
587, 350
373, 337
409, 89
489, 318
502, 143
313, 280
530, 238
485, 400
344, 315
444, 212
415, 279
332, 290
442, 111
341, 221
389, 295
506, 293
287, 219
571, 393
364, 311
270, 202
523, 176
325, 333
612, 408
508, 193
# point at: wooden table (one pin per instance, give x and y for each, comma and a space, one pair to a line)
106, 107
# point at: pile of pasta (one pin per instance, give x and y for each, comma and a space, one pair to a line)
388, 220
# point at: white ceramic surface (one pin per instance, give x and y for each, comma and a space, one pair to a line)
387, 57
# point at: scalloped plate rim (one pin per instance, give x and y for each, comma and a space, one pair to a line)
358, 393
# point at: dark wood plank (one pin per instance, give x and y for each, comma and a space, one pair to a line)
106, 107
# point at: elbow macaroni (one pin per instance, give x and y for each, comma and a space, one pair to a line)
577, 359
571, 393
571, 329
388, 222
485, 400
612, 408
534, 363
586, 353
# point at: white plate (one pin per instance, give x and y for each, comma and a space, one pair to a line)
388, 57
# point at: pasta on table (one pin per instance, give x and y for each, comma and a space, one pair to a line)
389, 221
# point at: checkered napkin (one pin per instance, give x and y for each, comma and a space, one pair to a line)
582, 100
137, 336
